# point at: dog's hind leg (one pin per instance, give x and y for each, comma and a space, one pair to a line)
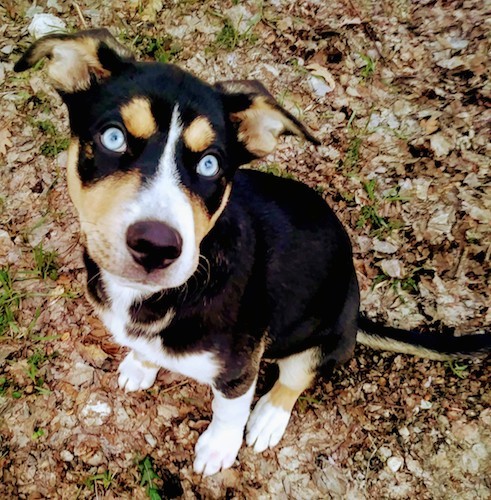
271, 414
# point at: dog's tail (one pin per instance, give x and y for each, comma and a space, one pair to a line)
430, 345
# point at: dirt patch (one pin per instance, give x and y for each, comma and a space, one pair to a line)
398, 93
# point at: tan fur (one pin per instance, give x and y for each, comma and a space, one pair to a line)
138, 118
203, 222
386, 344
283, 397
72, 62
199, 135
261, 125
296, 374
99, 207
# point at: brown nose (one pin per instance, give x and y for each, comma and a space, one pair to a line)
153, 244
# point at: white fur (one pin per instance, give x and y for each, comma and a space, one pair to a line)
202, 367
165, 200
268, 422
266, 425
134, 375
218, 446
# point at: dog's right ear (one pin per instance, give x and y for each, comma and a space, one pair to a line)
77, 60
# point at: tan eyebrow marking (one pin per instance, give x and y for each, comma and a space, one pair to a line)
138, 118
199, 135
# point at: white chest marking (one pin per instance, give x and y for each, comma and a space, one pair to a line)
202, 367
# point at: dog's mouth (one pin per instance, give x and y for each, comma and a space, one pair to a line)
147, 274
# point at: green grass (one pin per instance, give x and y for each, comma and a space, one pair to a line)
55, 143
10, 300
409, 284
149, 478
352, 155
37, 434
275, 169
45, 263
35, 364
229, 37
103, 479
162, 49
370, 213
458, 369
368, 70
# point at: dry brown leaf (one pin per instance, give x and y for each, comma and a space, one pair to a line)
322, 72
4, 140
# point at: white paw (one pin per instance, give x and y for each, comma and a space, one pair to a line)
134, 375
217, 448
266, 425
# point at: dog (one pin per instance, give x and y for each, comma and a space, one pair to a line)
198, 266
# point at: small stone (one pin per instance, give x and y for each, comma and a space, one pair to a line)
384, 452
151, 440
394, 463
96, 459
7, 49
425, 405
66, 456
404, 432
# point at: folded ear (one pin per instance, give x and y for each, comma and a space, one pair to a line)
75, 60
258, 119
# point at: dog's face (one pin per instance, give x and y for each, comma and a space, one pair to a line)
153, 153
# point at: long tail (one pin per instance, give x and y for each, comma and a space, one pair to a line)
429, 345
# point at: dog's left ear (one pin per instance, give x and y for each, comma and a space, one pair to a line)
257, 118
76, 61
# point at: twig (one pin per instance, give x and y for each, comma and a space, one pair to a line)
79, 12
175, 386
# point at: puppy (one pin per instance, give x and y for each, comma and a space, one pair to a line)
194, 264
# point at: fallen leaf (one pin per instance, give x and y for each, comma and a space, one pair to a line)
4, 140
392, 268
322, 72
430, 125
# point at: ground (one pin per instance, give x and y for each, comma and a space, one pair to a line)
398, 92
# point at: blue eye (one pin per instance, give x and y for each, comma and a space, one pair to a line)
113, 138
208, 166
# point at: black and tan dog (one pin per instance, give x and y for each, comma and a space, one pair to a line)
195, 265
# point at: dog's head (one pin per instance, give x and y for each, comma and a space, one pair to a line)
153, 152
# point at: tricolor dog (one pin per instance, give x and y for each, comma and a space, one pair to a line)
198, 266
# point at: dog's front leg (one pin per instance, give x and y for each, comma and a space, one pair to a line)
219, 445
136, 373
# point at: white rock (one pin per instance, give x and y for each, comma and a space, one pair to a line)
151, 440
66, 456
425, 405
45, 24
96, 459
404, 432
385, 452
395, 463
